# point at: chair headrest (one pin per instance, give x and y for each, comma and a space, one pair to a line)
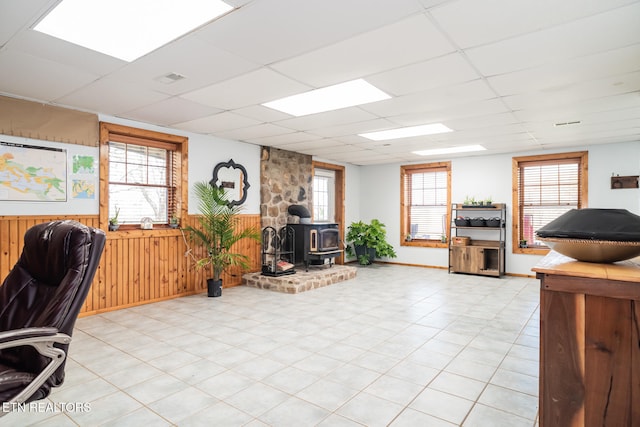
53, 248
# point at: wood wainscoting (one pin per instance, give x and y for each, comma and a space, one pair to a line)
137, 266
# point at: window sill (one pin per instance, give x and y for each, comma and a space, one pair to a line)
137, 232
424, 244
531, 251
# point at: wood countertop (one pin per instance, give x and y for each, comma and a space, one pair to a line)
558, 264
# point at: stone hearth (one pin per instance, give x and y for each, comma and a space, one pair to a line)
301, 281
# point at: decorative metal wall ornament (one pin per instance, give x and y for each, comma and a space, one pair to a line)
231, 177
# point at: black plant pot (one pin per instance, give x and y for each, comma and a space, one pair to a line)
362, 250
214, 288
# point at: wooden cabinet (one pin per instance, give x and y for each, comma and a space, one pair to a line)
483, 253
589, 342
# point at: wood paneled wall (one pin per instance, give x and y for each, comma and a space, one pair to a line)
137, 266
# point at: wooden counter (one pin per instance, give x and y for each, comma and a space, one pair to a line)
589, 342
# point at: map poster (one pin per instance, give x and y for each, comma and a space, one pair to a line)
32, 173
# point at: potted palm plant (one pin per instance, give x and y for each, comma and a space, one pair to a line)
368, 241
217, 232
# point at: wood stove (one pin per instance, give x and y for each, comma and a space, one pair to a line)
316, 242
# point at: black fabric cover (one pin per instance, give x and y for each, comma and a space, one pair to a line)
299, 210
47, 288
594, 224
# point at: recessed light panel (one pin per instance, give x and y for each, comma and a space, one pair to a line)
407, 132
127, 29
450, 150
348, 94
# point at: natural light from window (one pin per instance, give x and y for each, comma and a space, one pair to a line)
127, 29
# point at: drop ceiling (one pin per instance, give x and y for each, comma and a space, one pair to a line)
500, 73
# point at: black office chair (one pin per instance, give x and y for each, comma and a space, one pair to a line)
39, 303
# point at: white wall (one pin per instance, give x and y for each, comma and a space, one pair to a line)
608, 160
483, 176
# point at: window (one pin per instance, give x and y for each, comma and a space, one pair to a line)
323, 195
426, 196
145, 174
545, 187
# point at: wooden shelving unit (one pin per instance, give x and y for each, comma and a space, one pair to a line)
484, 253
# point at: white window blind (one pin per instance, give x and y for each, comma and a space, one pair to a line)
546, 190
141, 182
426, 197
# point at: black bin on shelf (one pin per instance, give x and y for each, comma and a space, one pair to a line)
478, 222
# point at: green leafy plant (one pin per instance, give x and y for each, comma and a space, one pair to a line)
217, 230
364, 239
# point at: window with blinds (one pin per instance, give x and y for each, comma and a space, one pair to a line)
145, 176
142, 182
547, 187
425, 200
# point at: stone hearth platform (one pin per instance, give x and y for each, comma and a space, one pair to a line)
301, 281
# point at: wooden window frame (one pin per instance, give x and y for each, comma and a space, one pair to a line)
179, 146
582, 159
405, 204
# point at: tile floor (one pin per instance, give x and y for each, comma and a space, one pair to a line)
398, 346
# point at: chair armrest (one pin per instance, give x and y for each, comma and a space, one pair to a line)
42, 340
16, 334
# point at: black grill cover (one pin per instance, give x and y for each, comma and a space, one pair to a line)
594, 224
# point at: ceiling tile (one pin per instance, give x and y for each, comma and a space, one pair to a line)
307, 145
256, 87
99, 96
262, 113
197, 60
614, 29
478, 22
556, 97
567, 73
171, 111
221, 122
252, 132
69, 54
352, 128
430, 100
329, 118
32, 77
18, 15
410, 40
443, 71
299, 26
284, 139
569, 112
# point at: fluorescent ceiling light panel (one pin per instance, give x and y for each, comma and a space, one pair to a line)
450, 150
407, 132
348, 94
127, 29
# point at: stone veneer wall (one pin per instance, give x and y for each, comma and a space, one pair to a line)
285, 179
